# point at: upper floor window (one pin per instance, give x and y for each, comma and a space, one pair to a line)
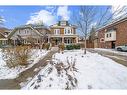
68, 31
107, 35
56, 31
110, 35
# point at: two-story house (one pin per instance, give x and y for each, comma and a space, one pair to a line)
113, 34
29, 33
3, 35
63, 32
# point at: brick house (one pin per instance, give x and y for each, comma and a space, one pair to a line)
113, 34
63, 32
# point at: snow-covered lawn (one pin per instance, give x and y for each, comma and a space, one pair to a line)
112, 51
94, 72
7, 73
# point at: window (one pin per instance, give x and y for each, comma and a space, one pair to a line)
102, 40
64, 31
110, 35
27, 31
68, 31
107, 35
57, 31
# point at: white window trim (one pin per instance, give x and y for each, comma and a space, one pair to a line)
66, 30
56, 31
101, 40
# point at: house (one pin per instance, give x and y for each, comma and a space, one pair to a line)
27, 34
91, 39
63, 32
113, 34
3, 35
89, 43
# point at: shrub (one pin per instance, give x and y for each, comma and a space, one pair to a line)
61, 46
71, 47
76, 46
46, 46
16, 56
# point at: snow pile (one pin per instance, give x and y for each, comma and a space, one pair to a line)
112, 51
94, 72
50, 78
10, 73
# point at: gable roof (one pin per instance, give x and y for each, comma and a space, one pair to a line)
2, 35
113, 22
58, 25
4, 30
33, 27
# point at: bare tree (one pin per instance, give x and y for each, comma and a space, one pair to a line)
107, 16
96, 14
85, 20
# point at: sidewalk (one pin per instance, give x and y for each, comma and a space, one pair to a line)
116, 57
29, 73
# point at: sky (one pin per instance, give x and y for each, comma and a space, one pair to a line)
20, 15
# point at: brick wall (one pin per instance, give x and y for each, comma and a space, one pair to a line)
121, 35
101, 44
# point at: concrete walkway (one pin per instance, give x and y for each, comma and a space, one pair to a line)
121, 59
29, 73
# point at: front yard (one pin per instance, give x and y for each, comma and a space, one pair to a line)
11, 73
74, 70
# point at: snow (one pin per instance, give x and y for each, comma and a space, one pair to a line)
51, 80
94, 72
11, 73
112, 51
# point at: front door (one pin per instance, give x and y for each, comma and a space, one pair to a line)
56, 42
113, 44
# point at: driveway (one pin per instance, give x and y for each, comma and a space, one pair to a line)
121, 59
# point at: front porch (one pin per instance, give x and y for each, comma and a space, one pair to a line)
66, 40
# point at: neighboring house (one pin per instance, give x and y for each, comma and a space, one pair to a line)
113, 34
89, 43
3, 35
63, 32
35, 34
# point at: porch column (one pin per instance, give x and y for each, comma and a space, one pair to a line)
14, 42
76, 39
62, 39
48, 39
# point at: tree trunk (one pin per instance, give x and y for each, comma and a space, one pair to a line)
85, 46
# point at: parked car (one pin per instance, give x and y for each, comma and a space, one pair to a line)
121, 48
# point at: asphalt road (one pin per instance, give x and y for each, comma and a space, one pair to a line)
121, 59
